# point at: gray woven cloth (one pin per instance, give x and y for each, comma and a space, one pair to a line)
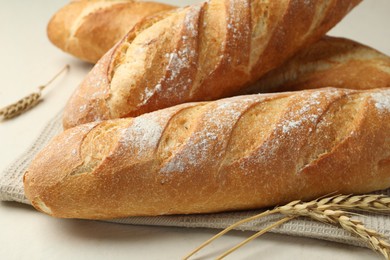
11, 189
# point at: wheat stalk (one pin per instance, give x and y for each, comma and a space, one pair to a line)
337, 217
238, 223
27, 102
327, 210
249, 239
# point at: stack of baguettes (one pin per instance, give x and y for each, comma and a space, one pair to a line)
192, 155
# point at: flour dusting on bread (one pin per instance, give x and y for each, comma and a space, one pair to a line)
144, 133
382, 100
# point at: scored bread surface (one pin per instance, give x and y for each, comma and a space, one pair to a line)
335, 62
200, 52
87, 29
239, 153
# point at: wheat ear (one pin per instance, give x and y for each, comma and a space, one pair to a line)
373, 203
374, 239
338, 217
327, 210
28, 102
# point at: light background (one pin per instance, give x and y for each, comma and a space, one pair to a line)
27, 60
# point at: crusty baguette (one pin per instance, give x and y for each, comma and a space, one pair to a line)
232, 154
330, 62
201, 52
89, 28
335, 62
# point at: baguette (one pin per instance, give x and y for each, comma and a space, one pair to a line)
89, 28
238, 153
201, 52
330, 62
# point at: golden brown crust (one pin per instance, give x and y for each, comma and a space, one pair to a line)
232, 154
88, 29
95, 98
209, 50
330, 62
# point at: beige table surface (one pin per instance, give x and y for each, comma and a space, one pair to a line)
27, 59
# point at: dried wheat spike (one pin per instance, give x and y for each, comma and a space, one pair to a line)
327, 210
27, 102
21, 106
369, 202
378, 203
372, 237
